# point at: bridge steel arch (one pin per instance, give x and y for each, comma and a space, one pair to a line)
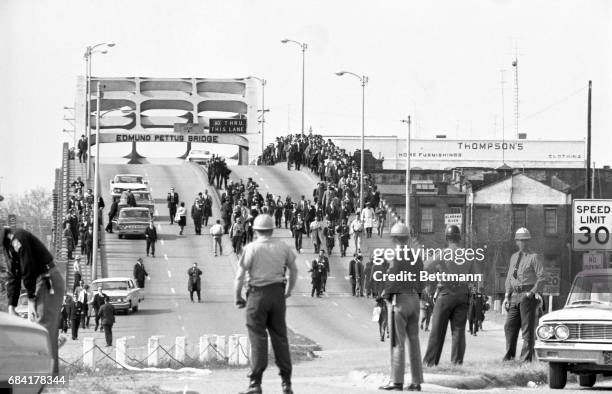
194, 97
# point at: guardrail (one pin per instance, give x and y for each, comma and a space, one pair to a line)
233, 350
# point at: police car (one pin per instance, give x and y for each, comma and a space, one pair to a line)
122, 182
122, 291
578, 338
132, 221
199, 156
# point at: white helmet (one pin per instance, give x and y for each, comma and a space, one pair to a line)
263, 222
522, 234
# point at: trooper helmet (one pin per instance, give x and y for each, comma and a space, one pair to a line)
522, 234
453, 233
400, 230
263, 222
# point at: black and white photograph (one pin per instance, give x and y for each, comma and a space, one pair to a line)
327, 197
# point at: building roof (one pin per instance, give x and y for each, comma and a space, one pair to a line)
519, 189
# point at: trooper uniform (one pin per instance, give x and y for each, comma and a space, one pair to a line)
30, 261
266, 261
524, 280
402, 299
451, 305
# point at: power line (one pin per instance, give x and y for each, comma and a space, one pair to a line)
555, 103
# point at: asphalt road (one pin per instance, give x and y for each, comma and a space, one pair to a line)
338, 322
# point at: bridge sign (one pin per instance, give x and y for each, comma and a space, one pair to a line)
592, 224
233, 126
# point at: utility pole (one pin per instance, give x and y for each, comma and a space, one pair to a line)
408, 185
516, 93
589, 186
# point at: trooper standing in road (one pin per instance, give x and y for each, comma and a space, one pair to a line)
194, 284
29, 261
524, 280
451, 304
402, 299
266, 260
106, 314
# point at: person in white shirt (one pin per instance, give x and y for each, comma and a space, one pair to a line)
367, 217
357, 231
217, 233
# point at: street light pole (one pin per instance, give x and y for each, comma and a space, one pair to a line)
364, 81
94, 255
263, 109
303, 46
89, 51
408, 186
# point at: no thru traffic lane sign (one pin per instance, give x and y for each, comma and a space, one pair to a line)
592, 224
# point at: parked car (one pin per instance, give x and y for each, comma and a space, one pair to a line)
578, 338
132, 221
122, 182
123, 293
143, 199
25, 350
199, 156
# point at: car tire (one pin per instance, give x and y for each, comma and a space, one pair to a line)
135, 309
129, 309
587, 380
120, 236
557, 375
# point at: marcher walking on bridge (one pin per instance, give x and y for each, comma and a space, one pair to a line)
207, 206
173, 200
107, 319
475, 310
356, 229
89, 244
524, 280
217, 234
299, 229
266, 261
237, 234
76, 270
367, 217
181, 217
402, 299
82, 145
98, 301
29, 262
68, 237
140, 274
356, 274
197, 214
194, 284
111, 215
151, 238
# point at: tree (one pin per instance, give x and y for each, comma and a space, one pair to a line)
34, 210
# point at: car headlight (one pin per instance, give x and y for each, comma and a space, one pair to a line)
545, 332
562, 332
116, 191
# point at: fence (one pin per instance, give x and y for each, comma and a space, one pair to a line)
212, 349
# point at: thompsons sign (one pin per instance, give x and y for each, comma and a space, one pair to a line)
493, 153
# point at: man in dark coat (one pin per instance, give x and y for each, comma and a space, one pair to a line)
316, 273
194, 284
207, 206
107, 319
98, 301
82, 146
197, 214
151, 238
173, 200
111, 215
89, 244
475, 310
140, 273
74, 314
131, 199
343, 232
356, 275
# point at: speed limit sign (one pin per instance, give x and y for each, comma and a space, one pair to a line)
592, 224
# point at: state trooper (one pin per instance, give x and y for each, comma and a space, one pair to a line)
30, 261
402, 298
524, 280
451, 304
266, 260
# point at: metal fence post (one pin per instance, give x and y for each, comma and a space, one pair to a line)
153, 358
89, 360
179, 349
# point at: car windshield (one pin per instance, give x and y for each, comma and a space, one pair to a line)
134, 214
142, 196
112, 285
591, 290
200, 152
128, 179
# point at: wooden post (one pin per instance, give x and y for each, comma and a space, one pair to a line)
153, 358
179, 349
89, 359
121, 351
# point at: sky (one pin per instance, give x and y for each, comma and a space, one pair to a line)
438, 61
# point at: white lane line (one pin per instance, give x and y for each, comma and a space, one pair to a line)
166, 257
183, 328
169, 274
267, 187
176, 304
261, 179
335, 303
180, 317
172, 290
185, 389
331, 277
162, 241
349, 315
